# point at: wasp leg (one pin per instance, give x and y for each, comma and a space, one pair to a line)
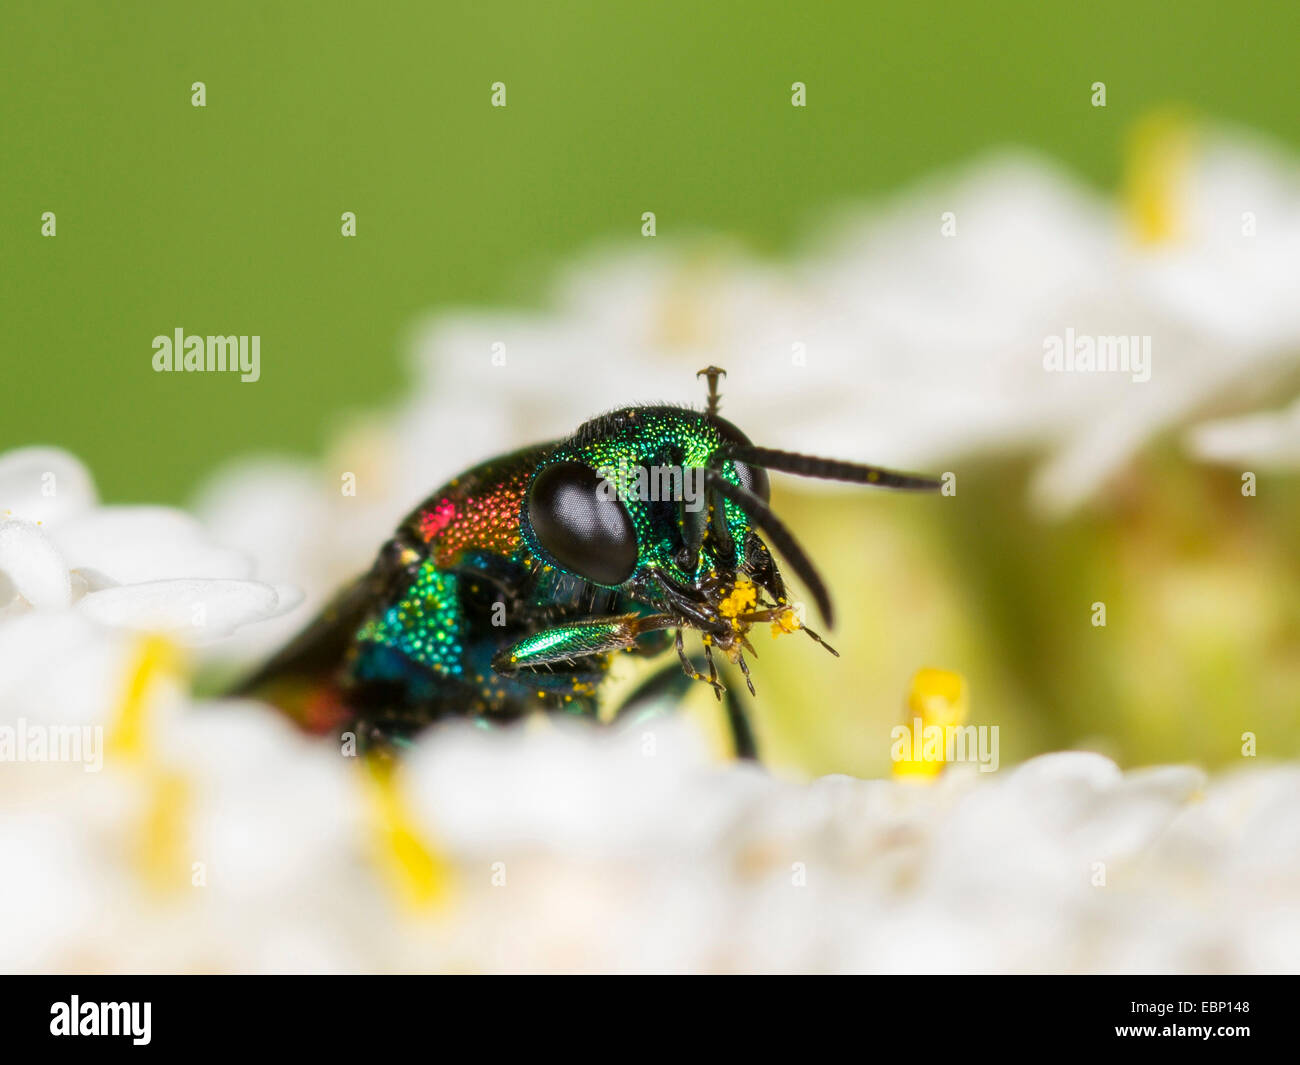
744, 668
776, 614
689, 670
708, 657
566, 644
671, 683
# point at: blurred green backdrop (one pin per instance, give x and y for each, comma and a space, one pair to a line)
226, 219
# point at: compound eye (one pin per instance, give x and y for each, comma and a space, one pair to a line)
754, 478
581, 524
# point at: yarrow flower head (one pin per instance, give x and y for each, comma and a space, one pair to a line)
215, 836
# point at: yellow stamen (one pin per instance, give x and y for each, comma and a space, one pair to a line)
156, 658
936, 701
161, 835
1159, 146
418, 876
160, 851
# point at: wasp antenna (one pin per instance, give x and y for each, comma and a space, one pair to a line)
715, 400
830, 469
782, 539
828, 647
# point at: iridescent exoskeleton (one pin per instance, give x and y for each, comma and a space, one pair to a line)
509, 589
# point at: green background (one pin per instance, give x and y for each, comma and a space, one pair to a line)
226, 219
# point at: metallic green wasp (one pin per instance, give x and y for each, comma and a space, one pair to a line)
511, 587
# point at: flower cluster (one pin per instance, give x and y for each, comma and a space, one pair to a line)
214, 837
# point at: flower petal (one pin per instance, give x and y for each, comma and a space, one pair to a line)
196, 611
130, 545
58, 668
43, 485
33, 565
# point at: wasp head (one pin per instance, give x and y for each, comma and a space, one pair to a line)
670, 506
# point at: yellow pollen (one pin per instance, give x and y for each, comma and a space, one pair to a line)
740, 599
786, 622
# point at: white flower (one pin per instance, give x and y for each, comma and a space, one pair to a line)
890, 342
613, 854
218, 838
147, 568
941, 336
32, 566
1208, 268
1229, 267
1265, 440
